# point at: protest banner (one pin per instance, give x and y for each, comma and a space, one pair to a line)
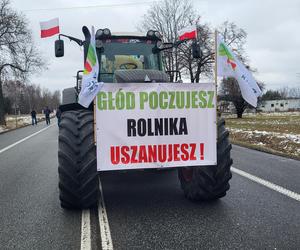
157, 125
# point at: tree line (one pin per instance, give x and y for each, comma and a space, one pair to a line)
282, 93
19, 59
23, 98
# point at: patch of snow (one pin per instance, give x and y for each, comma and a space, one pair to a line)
2, 129
290, 137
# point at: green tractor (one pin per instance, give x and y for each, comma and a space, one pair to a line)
124, 58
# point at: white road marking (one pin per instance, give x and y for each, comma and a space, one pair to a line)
24, 139
85, 230
267, 184
103, 222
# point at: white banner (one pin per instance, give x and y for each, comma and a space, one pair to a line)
155, 125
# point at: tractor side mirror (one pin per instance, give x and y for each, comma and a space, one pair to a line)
59, 48
196, 51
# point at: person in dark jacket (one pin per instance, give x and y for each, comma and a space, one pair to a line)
33, 117
58, 116
47, 115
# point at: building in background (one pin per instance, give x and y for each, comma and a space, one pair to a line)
279, 105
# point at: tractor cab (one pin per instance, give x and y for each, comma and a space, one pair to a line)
119, 52
133, 57
125, 57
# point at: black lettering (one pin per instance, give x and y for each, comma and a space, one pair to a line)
150, 132
183, 127
141, 124
173, 126
166, 125
131, 127
158, 124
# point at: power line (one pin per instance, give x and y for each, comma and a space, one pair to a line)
92, 6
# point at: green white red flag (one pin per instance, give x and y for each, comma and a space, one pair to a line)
229, 66
90, 85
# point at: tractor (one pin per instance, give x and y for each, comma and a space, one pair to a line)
124, 58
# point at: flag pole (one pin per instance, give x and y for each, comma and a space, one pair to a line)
216, 63
216, 83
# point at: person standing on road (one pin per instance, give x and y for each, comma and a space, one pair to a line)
58, 116
47, 115
33, 117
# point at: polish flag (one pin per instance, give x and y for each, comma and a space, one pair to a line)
49, 28
188, 33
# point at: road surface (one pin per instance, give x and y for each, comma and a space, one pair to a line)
144, 210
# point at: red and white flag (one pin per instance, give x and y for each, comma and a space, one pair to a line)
49, 28
188, 33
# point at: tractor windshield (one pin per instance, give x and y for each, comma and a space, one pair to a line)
127, 54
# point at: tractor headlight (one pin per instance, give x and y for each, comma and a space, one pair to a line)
157, 34
153, 34
103, 33
99, 33
150, 33
159, 44
106, 32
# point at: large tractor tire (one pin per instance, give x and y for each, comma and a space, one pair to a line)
209, 182
78, 179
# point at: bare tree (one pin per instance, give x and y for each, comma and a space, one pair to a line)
195, 67
19, 56
234, 37
168, 17
230, 91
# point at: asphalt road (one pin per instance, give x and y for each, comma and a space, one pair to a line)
145, 210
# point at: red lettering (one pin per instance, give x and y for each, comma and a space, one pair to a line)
176, 152
133, 154
142, 154
170, 152
201, 151
185, 153
152, 153
162, 153
192, 153
126, 157
115, 155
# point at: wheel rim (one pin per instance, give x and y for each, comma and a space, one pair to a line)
187, 174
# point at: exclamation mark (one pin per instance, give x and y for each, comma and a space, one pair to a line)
201, 151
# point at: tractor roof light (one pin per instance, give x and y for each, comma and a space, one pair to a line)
154, 34
103, 33
106, 32
150, 33
159, 44
158, 35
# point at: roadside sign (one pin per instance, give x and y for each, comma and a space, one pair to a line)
157, 125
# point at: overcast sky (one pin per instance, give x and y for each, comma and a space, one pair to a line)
273, 43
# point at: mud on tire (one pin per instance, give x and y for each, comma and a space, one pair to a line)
77, 170
209, 182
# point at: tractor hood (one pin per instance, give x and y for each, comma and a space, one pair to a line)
140, 75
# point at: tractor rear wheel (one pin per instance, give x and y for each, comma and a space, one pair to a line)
209, 182
77, 170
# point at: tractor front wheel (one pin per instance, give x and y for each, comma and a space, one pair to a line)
209, 182
77, 170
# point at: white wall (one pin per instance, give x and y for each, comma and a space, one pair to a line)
280, 105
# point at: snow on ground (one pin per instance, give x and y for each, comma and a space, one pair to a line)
255, 133
2, 129
20, 121
262, 114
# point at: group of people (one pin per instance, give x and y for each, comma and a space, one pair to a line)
47, 113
